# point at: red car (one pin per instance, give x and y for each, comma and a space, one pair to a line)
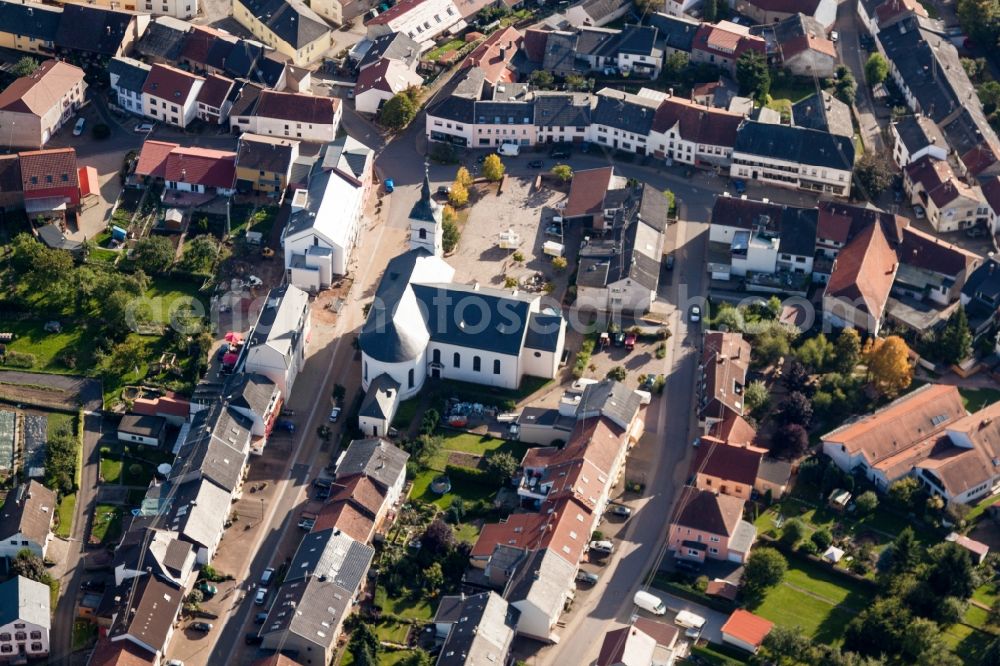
630, 341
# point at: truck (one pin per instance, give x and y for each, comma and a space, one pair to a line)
649, 602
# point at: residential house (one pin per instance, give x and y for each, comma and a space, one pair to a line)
679, 8
214, 99
50, 181
142, 429
306, 118
981, 297
932, 269
622, 121
674, 33
539, 588
723, 44
264, 163
709, 526
163, 41
379, 461
494, 54
202, 172
795, 157
620, 271
380, 82
824, 12
628, 649
469, 112
746, 630
99, 33
170, 95
149, 551
420, 20
25, 620
276, 346
477, 629
170, 406
391, 46
725, 360
215, 449
916, 136
927, 434
859, 285
324, 578
257, 399
288, 26
823, 112
128, 76
720, 467
878, 15
595, 12
951, 205
561, 116
144, 614
638, 53
591, 193
194, 506
802, 47
26, 519
324, 219
34, 107
690, 133
991, 192
29, 27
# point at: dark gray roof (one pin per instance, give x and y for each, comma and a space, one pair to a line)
637, 40
624, 112
265, 154
216, 447
797, 25
450, 107
984, 283
53, 237
380, 337
457, 99
560, 53
145, 425
394, 46
252, 391
918, 132
347, 155
378, 459
243, 58
798, 231
562, 109
131, 73
601, 9
611, 399
30, 20
795, 144
543, 578
653, 208
290, 20
543, 331
93, 29
332, 555
509, 113
309, 608
163, 39
380, 397
597, 42
28, 510
824, 112
195, 509
244, 96
425, 209
482, 632
495, 324
674, 32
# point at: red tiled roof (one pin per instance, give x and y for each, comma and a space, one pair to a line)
697, 123
276, 659
297, 107
991, 191
494, 55
727, 462
725, 42
344, 516
534, 44
199, 41
387, 75
925, 251
215, 90
938, 180
119, 653
734, 429
803, 43
705, 511
978, 158
46, 169
587, 190
747, 627
892, 8
41, 90
362, 491
88, 181
169, 83
722, 588
171, 404
661, 632
153, 158
520, 530
201, 166
864, 271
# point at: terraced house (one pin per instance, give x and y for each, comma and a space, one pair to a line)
288, 26
28, 27
33, 108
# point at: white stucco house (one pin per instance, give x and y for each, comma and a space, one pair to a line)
276, 347
26, 520
421, 20
127, 77
25, 620
170, 95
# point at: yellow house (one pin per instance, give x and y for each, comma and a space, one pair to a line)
288, 26
264, 162
28, 27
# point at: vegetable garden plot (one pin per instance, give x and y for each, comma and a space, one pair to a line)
8, 421
34, 445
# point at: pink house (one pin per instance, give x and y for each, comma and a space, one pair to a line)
710, 526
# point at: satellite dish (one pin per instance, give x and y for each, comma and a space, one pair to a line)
163, 469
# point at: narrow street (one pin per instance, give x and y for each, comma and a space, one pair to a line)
851, 54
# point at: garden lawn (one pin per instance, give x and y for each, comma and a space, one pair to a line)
986, 594
111, 467
84, 633
463, 442
968, 643
30, 338
166, 294
453, 45
413, 607
67, 507
107, 525
819, 602
390, 657
467, 532
405, 414
392, 631
60, 422
976, 399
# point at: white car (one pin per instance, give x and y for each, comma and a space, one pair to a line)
261, 596
579, 385
142, 128
78, 128
695, 314
334, 414
834, 36
175, 662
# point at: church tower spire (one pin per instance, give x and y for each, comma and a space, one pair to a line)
425, 220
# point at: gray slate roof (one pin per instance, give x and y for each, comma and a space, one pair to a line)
795, 144
290, 20
543, 331
163, 39
380, 397
394, 46
216, 447
28, 510
347, 155
542, 579
611, 399
918, 132
93, 29
24, 599
131, 73
333, 555
495, 324
623, 111
674, 32
824, 112
30, 20
425, 209
378, 459
310, 608
482, 632
252, 391
562, 109
637, 40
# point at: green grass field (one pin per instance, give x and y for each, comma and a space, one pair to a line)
462, 442
818, 601
976, 399
166, 295
452, 45
30, 338
415, 607
111, 467
392, 631
67, 507
107, 525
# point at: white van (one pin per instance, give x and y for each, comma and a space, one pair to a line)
509, 149
689, 620
649, 602
645, 397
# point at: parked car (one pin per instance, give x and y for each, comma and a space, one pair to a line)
174, 662
143, 128
78, 128
535, 164
919, 212
560, 153
389, 186
260, 618
669, 262
201, 626
208, 589
334, 414
261, 596
834, 36
444, 190
603, 547
649, 602
976, 232
553, 230
286, 425
619, 339
253, 639
630, 341
586, 577
739, 186
687, 565
265, 578
621, 510
695, 313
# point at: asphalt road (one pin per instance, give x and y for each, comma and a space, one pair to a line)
849, 27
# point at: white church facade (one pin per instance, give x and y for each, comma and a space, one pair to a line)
422, 324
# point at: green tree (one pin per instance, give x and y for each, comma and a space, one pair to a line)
796, 409
60, 462
417, 657
765, 567
955, 341
618, 373
903, 493
770, 346
493, 168
866, 503
873, 173
979, 19
433, 578
989, 95
30, 566
563, 172
676, 64
463, 176
822, 539
438, 538
876, 69
154, 254
501, 467
753, 75
449, 235
364, 645
200, 254
671, 199
878, 629
793, 531
816, 353
559, 263
790, 442
26, 66
951, 571
541, 78
709, 11
847, 351
844, 85
577, 82
756, 396
123, 359
399, 111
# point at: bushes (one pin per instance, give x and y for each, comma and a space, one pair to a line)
15, 359
583, 358
468, 475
